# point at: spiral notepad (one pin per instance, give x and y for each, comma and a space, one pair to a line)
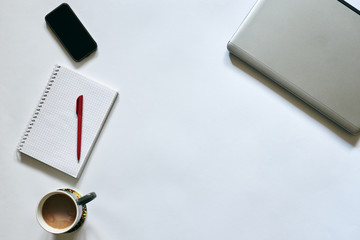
51, 135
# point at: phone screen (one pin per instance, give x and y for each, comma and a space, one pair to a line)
71, 32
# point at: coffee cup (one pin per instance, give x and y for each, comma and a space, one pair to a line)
62, 210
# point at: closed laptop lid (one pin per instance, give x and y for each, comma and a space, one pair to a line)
312, 48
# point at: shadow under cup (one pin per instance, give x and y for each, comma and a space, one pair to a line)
58, 212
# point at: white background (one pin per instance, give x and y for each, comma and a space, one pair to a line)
198, 145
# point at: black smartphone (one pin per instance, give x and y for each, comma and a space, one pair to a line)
71, 32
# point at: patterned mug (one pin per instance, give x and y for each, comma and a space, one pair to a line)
63, 210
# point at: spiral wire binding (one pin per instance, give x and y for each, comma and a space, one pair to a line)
39, 106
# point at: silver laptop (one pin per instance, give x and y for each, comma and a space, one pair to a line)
311, 48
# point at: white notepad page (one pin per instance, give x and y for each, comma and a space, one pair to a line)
51, 136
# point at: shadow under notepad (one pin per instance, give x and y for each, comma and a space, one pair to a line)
340, 132
32, 162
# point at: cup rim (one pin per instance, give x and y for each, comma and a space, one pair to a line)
41, 220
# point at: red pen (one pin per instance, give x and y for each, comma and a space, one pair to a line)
79, 113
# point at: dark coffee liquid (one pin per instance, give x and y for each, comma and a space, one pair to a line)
59, 211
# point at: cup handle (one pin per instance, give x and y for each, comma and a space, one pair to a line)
86, 198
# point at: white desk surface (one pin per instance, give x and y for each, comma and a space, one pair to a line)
198, 144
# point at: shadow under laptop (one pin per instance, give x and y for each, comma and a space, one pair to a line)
340, 132
52, 172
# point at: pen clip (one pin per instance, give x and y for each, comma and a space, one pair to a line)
79, 105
